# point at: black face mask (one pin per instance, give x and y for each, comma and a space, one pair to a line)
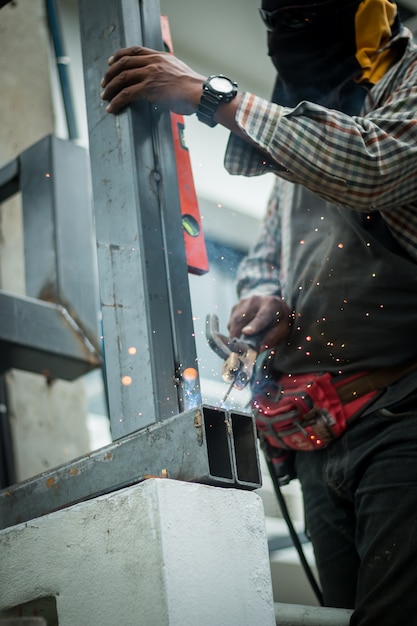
313, 48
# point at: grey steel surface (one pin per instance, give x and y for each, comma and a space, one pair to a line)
195, 445
42, 337
147, 318
244, 435
60, 254
233, 434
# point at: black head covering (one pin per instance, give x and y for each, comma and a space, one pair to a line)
315, 58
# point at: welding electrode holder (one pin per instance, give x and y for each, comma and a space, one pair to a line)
239, 355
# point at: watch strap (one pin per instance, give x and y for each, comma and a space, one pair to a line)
210, 101
207, 107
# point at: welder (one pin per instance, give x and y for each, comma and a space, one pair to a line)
331, 281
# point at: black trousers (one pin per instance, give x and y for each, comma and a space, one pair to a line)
360, 499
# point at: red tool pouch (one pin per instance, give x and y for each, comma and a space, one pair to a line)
306, 411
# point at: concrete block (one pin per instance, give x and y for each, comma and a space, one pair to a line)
160, 553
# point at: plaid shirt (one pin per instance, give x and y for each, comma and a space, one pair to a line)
365, 163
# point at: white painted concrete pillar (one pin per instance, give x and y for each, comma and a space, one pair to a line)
161, 553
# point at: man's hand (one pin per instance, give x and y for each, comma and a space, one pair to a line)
158, 77
268, 316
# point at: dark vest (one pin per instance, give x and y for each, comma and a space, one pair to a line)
352, 287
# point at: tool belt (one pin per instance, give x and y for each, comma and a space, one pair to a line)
308, 411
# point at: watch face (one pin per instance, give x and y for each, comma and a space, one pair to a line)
221, 84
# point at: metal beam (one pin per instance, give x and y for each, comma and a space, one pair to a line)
60, 256
42, 337
146, 308
205, 445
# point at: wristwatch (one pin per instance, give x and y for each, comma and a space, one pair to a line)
216, 89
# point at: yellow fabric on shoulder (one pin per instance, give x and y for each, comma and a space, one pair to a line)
373, 22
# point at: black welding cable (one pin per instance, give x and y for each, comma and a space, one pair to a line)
293, 533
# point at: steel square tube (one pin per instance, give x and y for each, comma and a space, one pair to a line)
146, 307
195, 446
219, 444
248, 473
42, 337
60, 253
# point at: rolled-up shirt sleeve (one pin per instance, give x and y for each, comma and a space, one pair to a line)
365, 163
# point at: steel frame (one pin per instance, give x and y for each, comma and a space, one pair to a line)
142, 266
159, 426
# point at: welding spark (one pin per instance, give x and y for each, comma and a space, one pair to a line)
190, 374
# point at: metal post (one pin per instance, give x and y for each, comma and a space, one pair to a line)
147, 318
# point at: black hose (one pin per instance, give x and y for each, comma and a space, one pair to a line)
293, 533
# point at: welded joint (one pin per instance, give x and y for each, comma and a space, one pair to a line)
198, 424
80, 333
